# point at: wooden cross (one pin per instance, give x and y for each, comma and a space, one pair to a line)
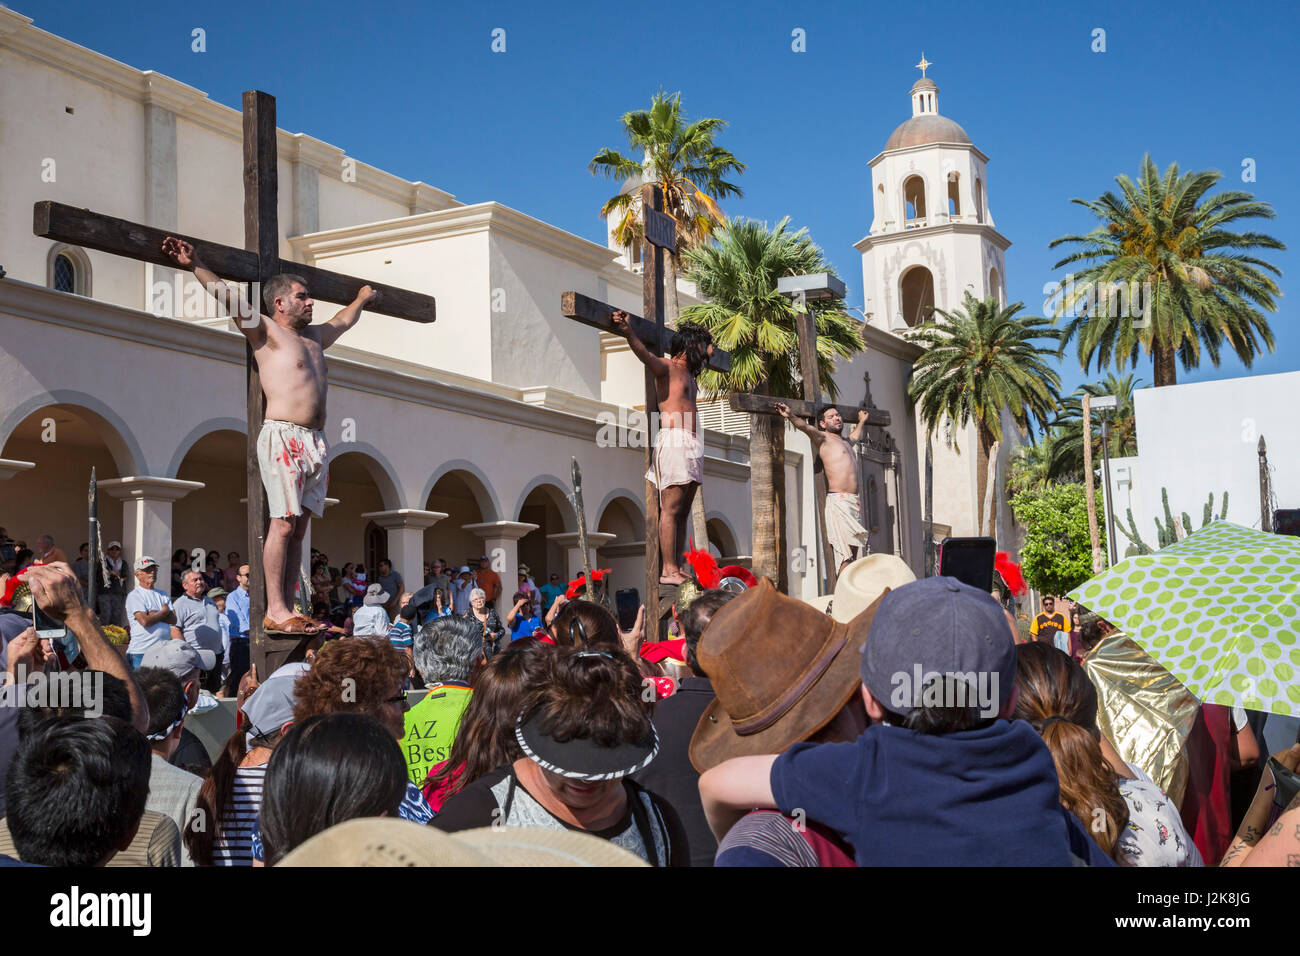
660, 232
809, 408
257, 262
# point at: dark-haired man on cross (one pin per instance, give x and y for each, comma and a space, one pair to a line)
844, 529
291, 450
679, 451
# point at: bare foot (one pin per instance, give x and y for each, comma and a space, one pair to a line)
670, 577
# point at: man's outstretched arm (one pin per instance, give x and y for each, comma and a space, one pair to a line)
855, 434
816, 435
247, 319
657, 365
346, 317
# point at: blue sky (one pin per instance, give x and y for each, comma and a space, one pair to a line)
416, 89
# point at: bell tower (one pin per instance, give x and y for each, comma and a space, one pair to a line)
932, 236
932, 239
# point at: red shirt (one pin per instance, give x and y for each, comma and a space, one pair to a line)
489, 581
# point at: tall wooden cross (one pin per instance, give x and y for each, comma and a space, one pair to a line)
257, 262
660, 233
806, 325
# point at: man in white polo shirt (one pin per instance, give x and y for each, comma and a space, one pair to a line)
148, 611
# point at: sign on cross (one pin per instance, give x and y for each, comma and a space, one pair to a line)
659, 233
257, 262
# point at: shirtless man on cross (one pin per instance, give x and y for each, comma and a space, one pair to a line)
291, 449
678, 458
843, 528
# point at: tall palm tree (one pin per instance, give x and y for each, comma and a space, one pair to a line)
1067, 452
756, 324
1030, 465
681, 158
1202, 284
979, 360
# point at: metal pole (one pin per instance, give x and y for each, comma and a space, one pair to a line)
1110, 509
92, 551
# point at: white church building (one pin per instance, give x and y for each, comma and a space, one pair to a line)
448, 440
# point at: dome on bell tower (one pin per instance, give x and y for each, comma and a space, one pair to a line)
926, 126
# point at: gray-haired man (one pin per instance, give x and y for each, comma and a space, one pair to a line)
447, 652
200, 624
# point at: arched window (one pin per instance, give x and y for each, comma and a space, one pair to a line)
914, 202
916, 290
995, 285
979, 200
67, 269
954, 195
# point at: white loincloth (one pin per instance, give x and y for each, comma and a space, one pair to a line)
678, 459
294, 461
843, 529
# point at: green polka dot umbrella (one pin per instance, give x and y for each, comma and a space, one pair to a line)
1219, 609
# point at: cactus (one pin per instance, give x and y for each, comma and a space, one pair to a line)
1171, 530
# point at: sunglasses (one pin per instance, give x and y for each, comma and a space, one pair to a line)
399, 698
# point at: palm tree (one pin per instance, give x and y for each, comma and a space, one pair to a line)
980, 360
756, 324
681, 159
1201, 284
1030, 465
1067, 451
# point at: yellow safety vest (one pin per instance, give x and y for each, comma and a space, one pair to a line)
430, 727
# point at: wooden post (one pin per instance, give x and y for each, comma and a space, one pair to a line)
652, 305
806, 324
261, 236
1093, 537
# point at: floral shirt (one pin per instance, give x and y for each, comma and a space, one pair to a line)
1155, 835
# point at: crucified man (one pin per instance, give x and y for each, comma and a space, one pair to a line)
291, 450
844, 530
678, 453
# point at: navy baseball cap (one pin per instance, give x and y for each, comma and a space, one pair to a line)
938, 626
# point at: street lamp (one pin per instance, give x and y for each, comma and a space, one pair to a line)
1106, 403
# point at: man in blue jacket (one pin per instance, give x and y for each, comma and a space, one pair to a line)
942, 777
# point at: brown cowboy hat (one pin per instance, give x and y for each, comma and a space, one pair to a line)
781, 670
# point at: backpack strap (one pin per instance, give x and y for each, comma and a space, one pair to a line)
643, 823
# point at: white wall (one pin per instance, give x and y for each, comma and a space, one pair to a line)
1202, 437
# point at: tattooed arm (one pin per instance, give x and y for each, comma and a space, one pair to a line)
1252, 846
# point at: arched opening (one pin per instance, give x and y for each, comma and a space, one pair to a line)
343, 534
214, 517
65, 442
913, 202
954, 195
881, 210
722, 543
547, 507
979, 200
916, 290
995, 285
454, 495
625, 554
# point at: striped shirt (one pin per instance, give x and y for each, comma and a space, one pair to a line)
233, 843
400, 634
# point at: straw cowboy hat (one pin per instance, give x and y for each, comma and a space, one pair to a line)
382, 841
781, 670
861, 583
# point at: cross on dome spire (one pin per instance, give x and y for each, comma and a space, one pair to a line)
924, 64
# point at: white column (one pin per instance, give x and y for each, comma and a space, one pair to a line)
573, 551
147, 513
12, 466
405, 527
501, 545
